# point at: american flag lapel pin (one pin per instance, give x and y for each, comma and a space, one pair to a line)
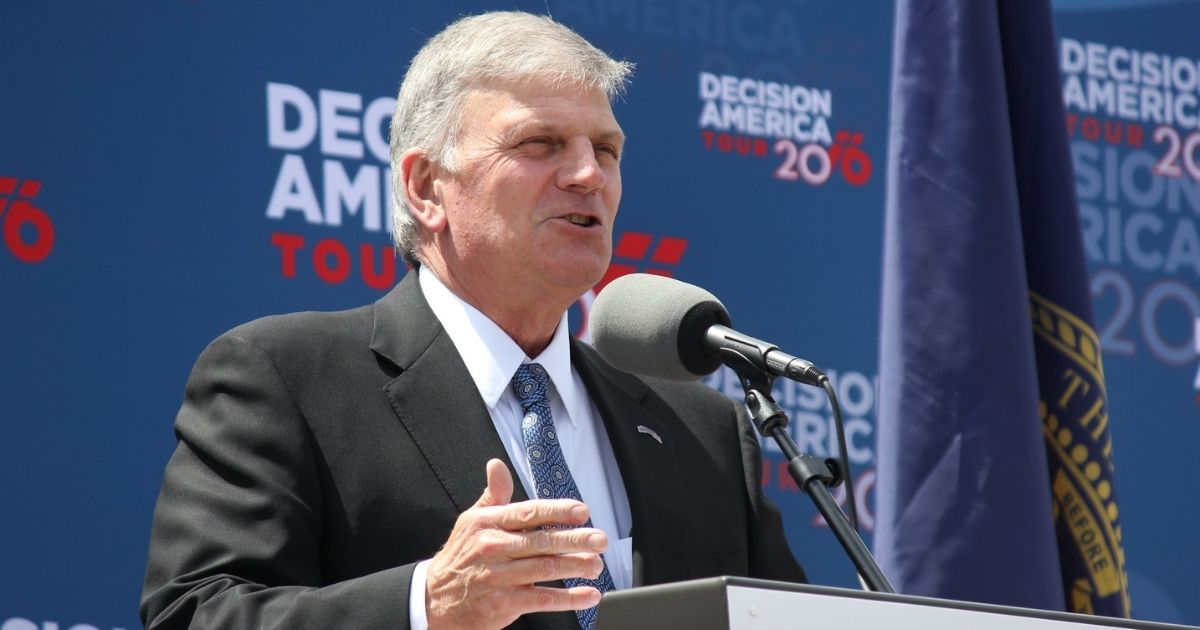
648, 431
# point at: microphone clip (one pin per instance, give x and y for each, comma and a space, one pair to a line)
771, 420
769, 417
757, 384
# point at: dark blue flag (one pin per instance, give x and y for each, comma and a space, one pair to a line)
995, 468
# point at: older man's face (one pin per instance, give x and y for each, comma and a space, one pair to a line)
532, 204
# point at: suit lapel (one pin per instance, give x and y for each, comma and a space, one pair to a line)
436, 401
434, 396
648, 467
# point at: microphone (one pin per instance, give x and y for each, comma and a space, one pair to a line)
657, 326
661, 327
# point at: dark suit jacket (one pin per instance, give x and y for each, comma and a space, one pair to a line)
321, 455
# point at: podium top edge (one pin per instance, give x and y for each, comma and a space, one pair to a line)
724, 582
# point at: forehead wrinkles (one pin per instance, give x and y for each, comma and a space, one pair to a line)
515, 109
489, 116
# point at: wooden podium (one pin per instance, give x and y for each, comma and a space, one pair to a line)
729, 603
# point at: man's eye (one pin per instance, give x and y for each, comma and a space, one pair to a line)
609, 149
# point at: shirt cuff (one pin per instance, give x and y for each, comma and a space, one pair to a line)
417, 617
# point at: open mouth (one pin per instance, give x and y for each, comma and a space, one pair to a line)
581, 219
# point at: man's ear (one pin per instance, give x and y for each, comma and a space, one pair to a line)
418, 176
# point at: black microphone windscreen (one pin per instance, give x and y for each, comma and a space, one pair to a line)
651, 325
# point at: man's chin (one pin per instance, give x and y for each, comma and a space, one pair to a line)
579, 278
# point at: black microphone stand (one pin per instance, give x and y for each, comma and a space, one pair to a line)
811, 474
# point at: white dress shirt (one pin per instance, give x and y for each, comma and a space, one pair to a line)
492, 358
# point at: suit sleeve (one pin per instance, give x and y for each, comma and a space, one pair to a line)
236, 537
770, 555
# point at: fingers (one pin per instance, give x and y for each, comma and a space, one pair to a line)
540, 513
526, 514
560, 567
540, 542
546, 599
485, 575
499, 485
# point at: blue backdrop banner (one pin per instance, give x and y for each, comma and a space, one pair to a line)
173, 168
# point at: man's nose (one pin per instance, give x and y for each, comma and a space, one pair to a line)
581, 172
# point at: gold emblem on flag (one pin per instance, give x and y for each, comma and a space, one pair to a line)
1074, 415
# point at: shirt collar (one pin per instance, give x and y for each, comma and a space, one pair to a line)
491, 356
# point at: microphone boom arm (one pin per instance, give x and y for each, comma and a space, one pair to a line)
806, 470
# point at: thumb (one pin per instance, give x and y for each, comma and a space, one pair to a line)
499, 488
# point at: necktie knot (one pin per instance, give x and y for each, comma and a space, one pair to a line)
532, 386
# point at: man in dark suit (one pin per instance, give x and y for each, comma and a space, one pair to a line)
372, 468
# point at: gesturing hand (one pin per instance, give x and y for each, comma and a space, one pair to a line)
484, 575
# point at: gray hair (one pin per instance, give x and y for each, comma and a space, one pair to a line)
498, 46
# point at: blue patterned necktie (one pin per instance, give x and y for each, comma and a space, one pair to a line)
551, 477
